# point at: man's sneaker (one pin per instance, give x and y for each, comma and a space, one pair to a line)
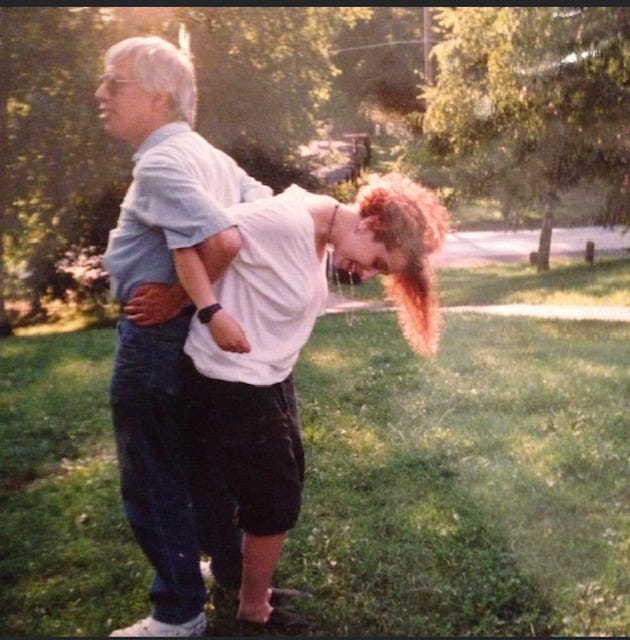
206, 573
152, 628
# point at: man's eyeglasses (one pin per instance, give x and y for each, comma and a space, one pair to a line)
112, 83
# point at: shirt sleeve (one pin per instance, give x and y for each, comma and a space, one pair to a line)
174, 200
249, 188
252, 189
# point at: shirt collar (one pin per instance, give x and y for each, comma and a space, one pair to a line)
159, 135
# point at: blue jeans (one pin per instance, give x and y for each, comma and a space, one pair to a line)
156, 474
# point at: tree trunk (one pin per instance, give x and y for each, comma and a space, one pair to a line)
544, 244
5, 324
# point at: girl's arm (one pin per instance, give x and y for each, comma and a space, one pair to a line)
192, 274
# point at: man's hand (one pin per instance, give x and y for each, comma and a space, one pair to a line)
227, 333
153, 303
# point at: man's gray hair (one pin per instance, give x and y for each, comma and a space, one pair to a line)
160, 67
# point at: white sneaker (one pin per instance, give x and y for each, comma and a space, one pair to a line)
206, 573
152, 628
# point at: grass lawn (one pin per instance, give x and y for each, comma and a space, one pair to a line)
568, 282
483, 493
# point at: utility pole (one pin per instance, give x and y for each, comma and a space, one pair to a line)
427, 42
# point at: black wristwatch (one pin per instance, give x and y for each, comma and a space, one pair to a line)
206, 314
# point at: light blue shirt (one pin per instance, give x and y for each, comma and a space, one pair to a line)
178, 197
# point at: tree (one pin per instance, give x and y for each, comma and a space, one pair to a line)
264, 73
379, 59
51, 148
264, 79
529, 101
5, 324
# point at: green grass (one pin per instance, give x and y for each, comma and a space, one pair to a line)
607, 283
480, 494
478, 489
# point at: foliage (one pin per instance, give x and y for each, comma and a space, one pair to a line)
529, 101
52, 149
264, 72
379, 60
84, 267
62, 178
504, 119
271, 167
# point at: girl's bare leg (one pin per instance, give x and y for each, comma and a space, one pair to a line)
261, 555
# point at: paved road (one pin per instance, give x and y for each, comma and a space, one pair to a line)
491, 247
483, 247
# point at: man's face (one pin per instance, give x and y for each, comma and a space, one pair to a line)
127, 111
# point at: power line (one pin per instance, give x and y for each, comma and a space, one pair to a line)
334, 52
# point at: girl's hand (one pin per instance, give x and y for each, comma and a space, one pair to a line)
227, 333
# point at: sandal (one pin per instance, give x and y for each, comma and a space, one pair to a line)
282, 595
281, 622
222, 596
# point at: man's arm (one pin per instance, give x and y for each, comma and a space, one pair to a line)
153, 303
252, 189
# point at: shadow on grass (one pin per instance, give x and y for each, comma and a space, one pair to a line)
67, 558
388, 534
53, 401
400, 549
436, 492
464, 496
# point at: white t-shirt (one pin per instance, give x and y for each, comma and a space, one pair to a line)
276, 287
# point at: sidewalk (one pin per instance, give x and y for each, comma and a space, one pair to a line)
339, 304
553, 311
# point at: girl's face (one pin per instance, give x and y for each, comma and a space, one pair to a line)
358, 252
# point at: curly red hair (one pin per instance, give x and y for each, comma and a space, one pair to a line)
405, 215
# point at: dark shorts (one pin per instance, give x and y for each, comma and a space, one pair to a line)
254, 434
